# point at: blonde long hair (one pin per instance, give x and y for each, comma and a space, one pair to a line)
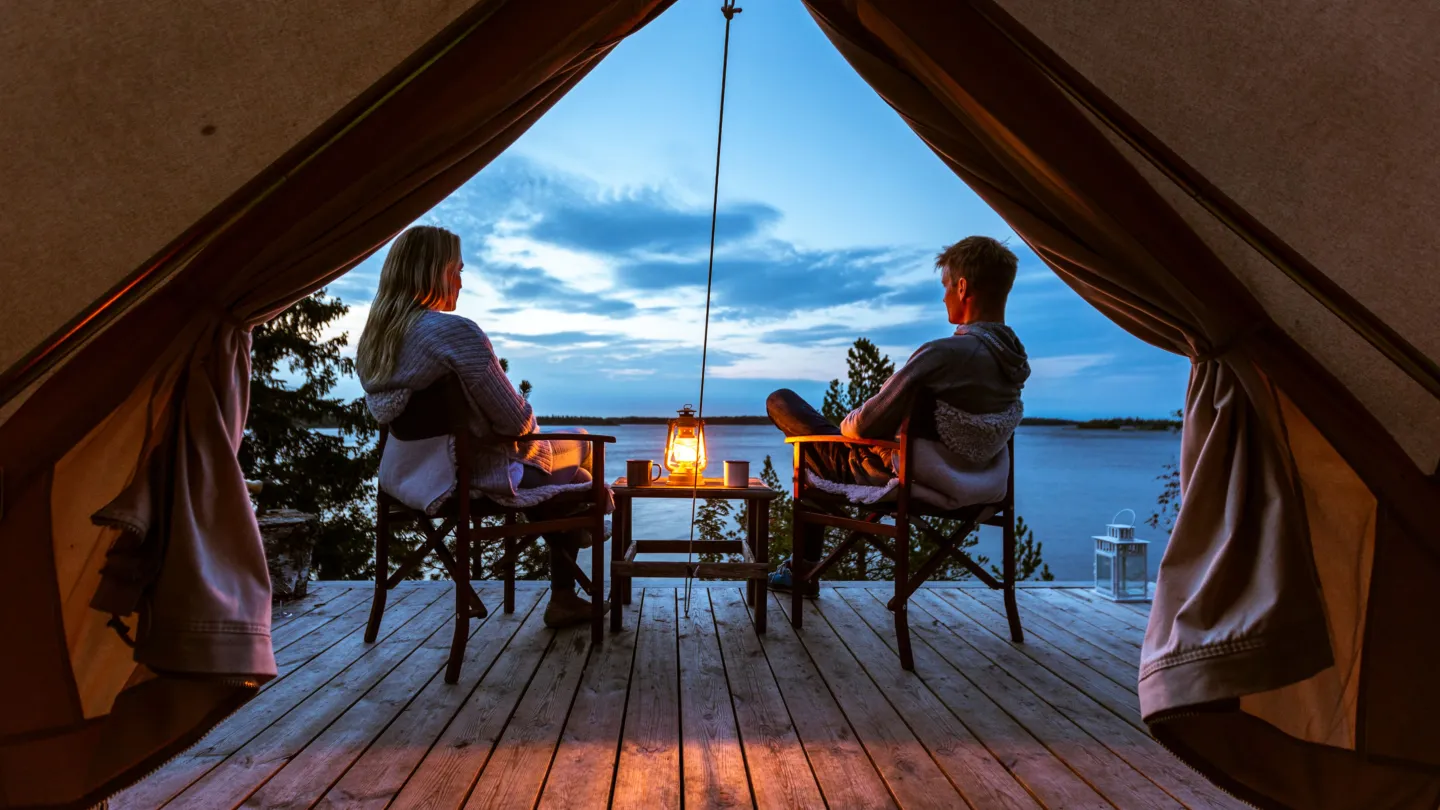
414, 279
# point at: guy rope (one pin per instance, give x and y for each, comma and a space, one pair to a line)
729, 10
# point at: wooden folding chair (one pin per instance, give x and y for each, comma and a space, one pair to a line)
815, 509
443, 409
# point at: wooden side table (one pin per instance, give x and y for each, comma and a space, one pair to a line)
754, 549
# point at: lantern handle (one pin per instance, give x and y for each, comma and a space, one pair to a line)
1121, 512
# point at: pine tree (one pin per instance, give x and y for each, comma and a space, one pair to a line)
868, 370
1167, 503
328, 472
834, 406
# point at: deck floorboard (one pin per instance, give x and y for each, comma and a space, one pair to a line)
691, 710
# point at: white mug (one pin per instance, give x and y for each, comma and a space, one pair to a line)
737, 474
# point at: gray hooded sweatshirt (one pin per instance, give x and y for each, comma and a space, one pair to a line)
975, 377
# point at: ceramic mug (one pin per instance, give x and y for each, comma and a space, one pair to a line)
637, 472
737, 474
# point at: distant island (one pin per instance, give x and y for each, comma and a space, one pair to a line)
1122, 423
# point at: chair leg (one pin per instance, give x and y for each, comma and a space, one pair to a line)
462, 600
797, 558
382, 569
597, 579
1012, 611
902, 601
511, 551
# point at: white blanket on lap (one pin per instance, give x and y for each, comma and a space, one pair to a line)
421, 475
948, 482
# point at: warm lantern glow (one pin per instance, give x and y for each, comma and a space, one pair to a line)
685, 448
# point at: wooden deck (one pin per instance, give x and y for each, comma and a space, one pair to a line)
692, 711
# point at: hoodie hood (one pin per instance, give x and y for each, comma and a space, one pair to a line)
1004, 346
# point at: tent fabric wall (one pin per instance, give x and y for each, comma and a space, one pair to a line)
164, 392
1306, 116
116, 169
1247, 629
1289, 647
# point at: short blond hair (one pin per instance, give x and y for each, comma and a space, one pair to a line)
987, 266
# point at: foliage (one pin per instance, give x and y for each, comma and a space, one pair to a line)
1167, 503
330, 475
1028, 553
868, 370
835, 405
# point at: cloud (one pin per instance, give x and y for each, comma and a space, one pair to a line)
599, 293
647, 221
1049, 369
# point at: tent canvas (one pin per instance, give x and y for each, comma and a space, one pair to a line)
1250, 186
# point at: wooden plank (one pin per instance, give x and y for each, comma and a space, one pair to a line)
1010, 681
648, 773
1116, 610
383, 767
316, 594
1119, 639
973, 770
323, 613
1131, 744
1070, 665
846, 775
232, 781
780, 774
307, 774
515, 773
680, 568
1124, 674
584, 768
709, 488
1046, 776
264, 710
914, 778
322, 638
712, 764
685, 546
446, 774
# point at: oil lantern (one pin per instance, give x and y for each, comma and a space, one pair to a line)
685, 448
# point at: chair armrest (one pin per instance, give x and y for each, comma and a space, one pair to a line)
579, 437
842, 440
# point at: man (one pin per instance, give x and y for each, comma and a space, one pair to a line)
967, 387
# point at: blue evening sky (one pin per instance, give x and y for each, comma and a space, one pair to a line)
585, 244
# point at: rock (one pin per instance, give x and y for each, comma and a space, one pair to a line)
289, 538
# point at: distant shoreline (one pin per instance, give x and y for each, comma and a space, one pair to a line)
1121, 423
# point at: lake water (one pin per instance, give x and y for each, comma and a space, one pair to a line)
1068, 483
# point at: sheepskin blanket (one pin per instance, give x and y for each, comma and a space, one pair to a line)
421, 475
970, 465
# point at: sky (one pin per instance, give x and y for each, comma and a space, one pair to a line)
586, 243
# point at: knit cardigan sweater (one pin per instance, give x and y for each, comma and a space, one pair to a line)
441, 343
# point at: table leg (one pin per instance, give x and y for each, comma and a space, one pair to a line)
619, 586
626, 591
751, 514
761, 548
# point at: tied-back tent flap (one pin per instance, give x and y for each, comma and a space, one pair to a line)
1250, 185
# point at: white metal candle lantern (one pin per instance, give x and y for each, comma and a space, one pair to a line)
1121, 567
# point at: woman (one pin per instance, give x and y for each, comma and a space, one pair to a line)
410, 341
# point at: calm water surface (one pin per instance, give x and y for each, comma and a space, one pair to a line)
1068, 483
